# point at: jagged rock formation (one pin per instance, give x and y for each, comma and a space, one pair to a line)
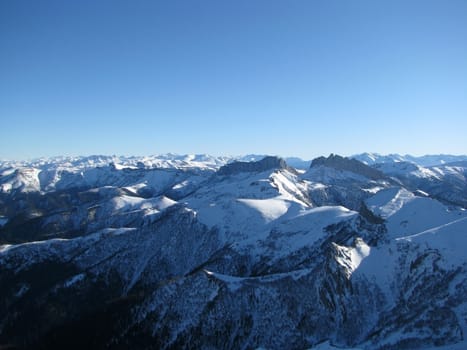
347, 164
267, 163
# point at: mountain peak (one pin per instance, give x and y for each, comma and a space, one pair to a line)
268, 162
347, 164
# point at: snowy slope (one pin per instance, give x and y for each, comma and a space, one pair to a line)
402, 211
169, 252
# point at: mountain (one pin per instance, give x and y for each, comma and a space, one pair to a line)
427, 160
172, 251
267, 163
345, 164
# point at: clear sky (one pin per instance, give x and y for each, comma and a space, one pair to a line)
293, 77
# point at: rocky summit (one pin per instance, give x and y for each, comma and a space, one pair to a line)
267, 163
347, 164
201, 252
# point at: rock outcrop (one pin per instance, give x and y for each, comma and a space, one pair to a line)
346, 164
264, 164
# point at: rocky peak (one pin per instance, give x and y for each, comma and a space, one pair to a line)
347, 164
267, 163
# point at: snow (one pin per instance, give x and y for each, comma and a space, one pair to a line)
407, 221
270, 209
6, 187
129, 203
323, 216
181, 185
118, 231
403, 210
316, 185
6, 172
373, 190
24, 179
136, 187
427, 160
243, 205
450, 239
123, 166
168, 160
5, 247
449, 170
360, 252
50, 246
421, 221
73, 280
305, 228
380, 267
387, 202
351, 257
427, 173
264, 215
125, 203
234, 283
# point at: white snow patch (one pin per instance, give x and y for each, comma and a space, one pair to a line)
373, 190
270, 209
316, 219
123, 166
315, 185
135, 188
387, 202
351, 257
130, 203
233, 283
360, 252
124, 203
181, 185
5, 247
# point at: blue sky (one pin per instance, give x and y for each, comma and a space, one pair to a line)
302, 78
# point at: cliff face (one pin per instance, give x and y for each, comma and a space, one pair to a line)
267, 163
347, 164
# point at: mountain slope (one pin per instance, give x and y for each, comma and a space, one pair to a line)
254, 255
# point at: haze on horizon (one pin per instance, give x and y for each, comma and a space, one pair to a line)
302, 78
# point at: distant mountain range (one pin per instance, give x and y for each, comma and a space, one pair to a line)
172, 160
194, 251
427, 160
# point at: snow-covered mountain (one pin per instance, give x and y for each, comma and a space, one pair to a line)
427, 160
174, 251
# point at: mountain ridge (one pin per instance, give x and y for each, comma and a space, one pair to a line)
106, 254
173, 159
